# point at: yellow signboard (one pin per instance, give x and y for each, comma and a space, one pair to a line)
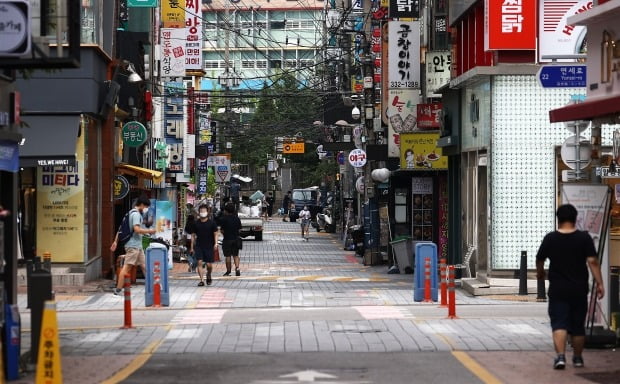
419, 151
60, 209
172, 14
293, 148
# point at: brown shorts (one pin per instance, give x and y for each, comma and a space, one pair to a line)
135, 256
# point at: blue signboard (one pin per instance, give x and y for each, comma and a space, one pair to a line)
562, 76
142, 3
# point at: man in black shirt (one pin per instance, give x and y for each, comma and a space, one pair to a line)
568, 251
230, 226
204, 242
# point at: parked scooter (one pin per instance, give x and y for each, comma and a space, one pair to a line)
324, 221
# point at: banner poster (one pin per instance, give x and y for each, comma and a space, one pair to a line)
165, 217
172, 52
60, 209
404, 54
419, 151
555, 35
401, 112
174, 126
194, 36
592, 203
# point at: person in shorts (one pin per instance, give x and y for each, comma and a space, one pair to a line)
305, 216
134, 254
204, 243
230, 225
569, 252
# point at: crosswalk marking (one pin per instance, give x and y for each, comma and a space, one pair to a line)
199, 316
376, 312
213, 298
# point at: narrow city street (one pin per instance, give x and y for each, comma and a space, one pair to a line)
307, 312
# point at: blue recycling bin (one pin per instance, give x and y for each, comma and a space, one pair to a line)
156, 253
422, 251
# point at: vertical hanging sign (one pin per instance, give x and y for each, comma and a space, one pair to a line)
193, 33
404, 54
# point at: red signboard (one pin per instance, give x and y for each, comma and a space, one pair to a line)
429, 116
510, 24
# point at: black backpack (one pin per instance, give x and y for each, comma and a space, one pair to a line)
124, 230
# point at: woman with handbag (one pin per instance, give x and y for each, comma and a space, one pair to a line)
229, 227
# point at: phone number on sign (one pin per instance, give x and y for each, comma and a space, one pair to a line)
404, 84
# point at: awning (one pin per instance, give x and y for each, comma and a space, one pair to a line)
49, 140
140, 173
588, 110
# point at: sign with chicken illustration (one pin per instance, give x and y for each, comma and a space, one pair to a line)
419, 151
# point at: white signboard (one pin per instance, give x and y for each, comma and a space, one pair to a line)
401, 112
421, 185
357, 158
172, 52
404, 54
193, 31
437, 71
556, 37
14, 28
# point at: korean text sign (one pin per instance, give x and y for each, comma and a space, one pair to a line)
174, 126
510, 24
419, 151
404, 54
172, 52
193, 32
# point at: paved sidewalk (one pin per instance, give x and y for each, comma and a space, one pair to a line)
295, 296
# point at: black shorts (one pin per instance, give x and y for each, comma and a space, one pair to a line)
230, 247
569, 314
204, 254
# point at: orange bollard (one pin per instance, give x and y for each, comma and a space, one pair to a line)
451, 293
427, 280
442, 283
127, 291
156, 286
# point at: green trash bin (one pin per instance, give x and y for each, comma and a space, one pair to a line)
402, 246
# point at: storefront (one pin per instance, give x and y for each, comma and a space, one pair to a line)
602, 108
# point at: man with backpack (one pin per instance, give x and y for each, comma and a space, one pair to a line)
134, 254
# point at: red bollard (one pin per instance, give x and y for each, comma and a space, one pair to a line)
442, 283
451, 293
427, 280
127, 291
156, 286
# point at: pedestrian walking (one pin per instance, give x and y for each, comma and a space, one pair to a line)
204, 243
569, 252
230, 226
270, 202
305, 216
286, 202
188, 230
235, 193
134, 254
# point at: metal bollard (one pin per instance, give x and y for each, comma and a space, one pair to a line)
39, 291
47, 261
442, 283
127, 308
523, 274
156, 285
427, 280
451, 293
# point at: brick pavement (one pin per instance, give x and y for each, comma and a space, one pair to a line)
378, 312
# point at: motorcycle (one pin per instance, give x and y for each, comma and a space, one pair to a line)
324, 221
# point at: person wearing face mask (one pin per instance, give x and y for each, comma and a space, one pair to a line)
134, 254
204, 242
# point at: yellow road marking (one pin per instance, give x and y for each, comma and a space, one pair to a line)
136, 363
475, 368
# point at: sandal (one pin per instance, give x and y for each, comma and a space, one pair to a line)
201, 284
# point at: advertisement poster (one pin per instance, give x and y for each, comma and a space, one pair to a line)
401, 113
442, 247
555, 36
60, 209
419, 151
404, 54
429, 116
591, 201
165, 219
174, 126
